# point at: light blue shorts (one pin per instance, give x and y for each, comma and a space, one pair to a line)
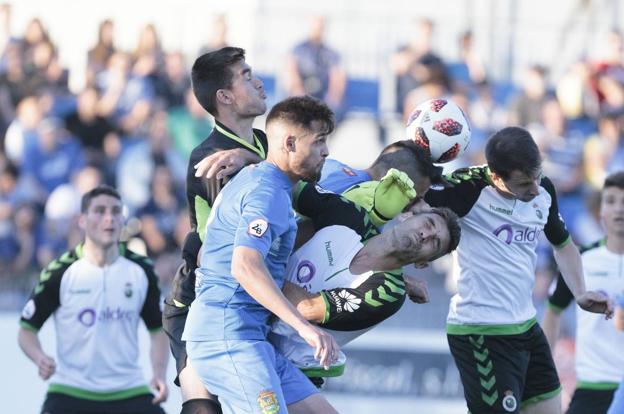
248, 376
617, 405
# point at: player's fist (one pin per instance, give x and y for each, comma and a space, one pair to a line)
46, 366
596, 302
383, 199
416, 289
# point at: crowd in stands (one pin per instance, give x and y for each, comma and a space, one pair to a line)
136, 120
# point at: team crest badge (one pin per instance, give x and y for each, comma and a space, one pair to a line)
538, 212
258, 227
509, 402
267, 400
128, 290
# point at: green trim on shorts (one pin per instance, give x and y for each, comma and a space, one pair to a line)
602, 386
333, 371
511, 329
326, 316
155, 330
556, 309
541, 397
28, 326
99, 396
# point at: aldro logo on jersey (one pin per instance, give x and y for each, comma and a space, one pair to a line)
508, 234
258, 227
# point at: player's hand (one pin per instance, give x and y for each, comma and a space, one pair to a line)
596, 302
159, 386
416, 289
46, 366
224, 163
326, 350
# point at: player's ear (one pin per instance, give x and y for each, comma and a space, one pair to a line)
82, 222
224, 97
289, 143
421, 265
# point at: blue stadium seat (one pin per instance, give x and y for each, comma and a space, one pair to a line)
362, 95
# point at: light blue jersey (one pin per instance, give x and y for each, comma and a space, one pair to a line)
338, 177
226, 328
252, 210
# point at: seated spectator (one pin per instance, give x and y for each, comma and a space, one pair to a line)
148, 59
604, 151
188, 125
409, 62
175, 80
98, 55
469, 70
313, 68
34, 34
218, 37
53, 160
526, 106
21, 133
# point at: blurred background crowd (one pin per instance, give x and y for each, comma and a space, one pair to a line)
128, 118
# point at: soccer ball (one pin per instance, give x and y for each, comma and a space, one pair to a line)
440, 127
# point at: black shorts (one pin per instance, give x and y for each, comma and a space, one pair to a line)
587, 401
174, 319
56, 403
501, 372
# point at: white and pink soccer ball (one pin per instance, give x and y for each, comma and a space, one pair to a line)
440, 127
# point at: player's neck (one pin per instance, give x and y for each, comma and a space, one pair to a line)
100, 256
615, 243
374, 256
241, 127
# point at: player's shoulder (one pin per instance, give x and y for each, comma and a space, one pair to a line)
141, 260
57, 268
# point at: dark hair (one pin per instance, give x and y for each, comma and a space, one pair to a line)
615, 180
212, 72
452, 222
97, 191
303, 110
512, 149
408, 157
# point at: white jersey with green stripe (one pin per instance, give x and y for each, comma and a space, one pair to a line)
497, 251
321, 264
96, 313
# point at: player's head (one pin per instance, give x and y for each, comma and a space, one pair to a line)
515, 163
223, 81
297, 129
101, 216
612, 204
425, 236
412, 160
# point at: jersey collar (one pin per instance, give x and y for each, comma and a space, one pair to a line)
257, 148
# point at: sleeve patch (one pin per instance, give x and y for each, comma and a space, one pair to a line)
258, 227
29, 309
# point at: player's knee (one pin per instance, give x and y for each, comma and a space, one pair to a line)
201, 406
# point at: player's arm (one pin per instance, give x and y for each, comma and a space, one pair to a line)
225, 163
568, 259
351, 309
43, 301
462, 192
557, 302
159, 356
249, 270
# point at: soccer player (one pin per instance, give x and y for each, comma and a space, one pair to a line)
249, 236
599, 361
97, 292
348, 275
226, 87
501, 352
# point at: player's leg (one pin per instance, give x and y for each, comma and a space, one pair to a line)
542, 390
592, 401
492, 371
315, 403
241, 372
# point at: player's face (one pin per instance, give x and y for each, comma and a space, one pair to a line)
310, 151
521, 186
247, 91
422, 236
102, 221
612, 210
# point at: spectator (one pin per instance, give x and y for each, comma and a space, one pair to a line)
604, 151
526, 106
218, 38
35, 33
173, 83
313, 68
97, 57
6, 37
148, 59
469, 70
414, 63
188, 125
21, 134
